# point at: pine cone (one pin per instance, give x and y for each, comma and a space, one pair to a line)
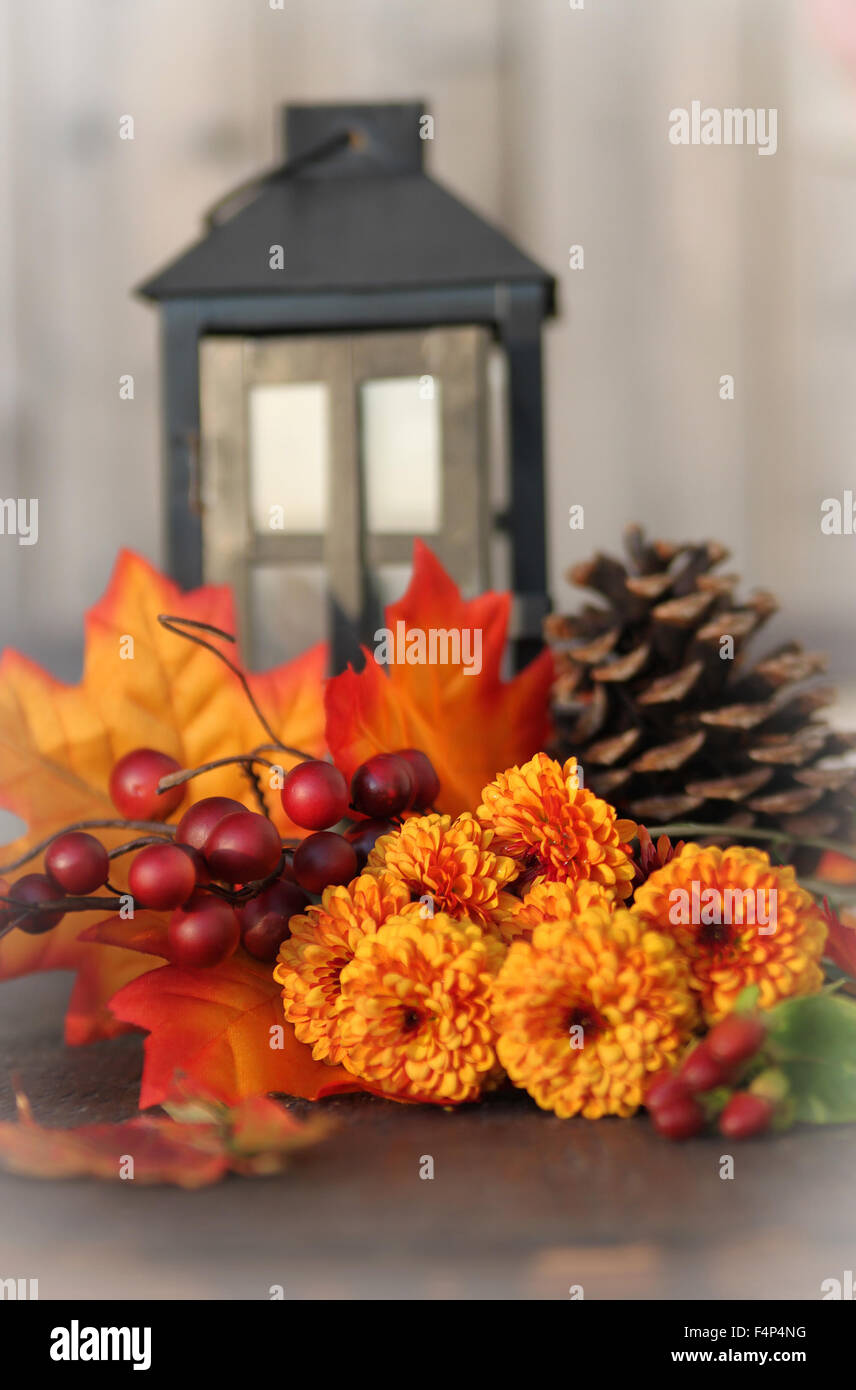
667, 726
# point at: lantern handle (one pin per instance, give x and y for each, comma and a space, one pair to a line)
219, 212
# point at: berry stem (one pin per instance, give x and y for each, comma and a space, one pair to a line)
249, 890
754, 832
258, 792
838, 893
151, 825
244, 760
179, 625
92, 904
177, 779
66, 904
137, 844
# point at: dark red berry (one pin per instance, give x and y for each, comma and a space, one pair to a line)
363, 836
265, 919
200, 868
243, 847
315, 795
681, 1119
203, 933
383, 785
323, 859
5, 910
664, 1090
426, 781
35, 888
744, 1115
77, 862
735, 1039
200, 819
162, 876
134, 785
700, 1071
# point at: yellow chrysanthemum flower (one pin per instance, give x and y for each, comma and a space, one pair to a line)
322, 941
588, 1010
414, 1013
741, 921
548, 901
544, 819
453, 863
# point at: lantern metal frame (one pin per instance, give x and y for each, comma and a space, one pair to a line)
414, 257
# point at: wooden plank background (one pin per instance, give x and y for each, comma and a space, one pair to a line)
698, 261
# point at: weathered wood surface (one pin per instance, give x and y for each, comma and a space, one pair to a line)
522, 1205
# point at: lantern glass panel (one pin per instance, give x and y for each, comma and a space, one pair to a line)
401, 455
392, 582
289, 457
290, 604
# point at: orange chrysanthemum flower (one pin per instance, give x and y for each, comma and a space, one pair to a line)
547, 901
587, 1011
544, 818
414, 1013
741, 921
323, 940
453, 863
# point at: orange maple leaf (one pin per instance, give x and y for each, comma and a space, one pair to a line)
257, 1137
835, 867
839, 870
215, 1028
840, 945
470, 725
59, 742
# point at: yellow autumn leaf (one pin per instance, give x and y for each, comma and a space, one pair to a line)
58, 744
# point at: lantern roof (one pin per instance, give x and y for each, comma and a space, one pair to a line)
353, 211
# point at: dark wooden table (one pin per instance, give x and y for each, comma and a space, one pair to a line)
522, 1205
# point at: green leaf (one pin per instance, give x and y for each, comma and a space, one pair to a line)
747, 1000
714, 1102
772, 1083
813, 1041
822, 1093
819, 1027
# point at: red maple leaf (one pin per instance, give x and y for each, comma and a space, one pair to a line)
470, 725
222, 1028
840, 945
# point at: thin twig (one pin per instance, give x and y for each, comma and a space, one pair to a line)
138, 844
177, 625
155, 826
255, 782
243, 760
57, 905
237, 896
838, 893
753, 832
177, 779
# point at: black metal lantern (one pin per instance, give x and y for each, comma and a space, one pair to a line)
326, 352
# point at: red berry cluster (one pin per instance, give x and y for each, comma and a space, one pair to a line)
315, 796
223, 871
673, 1097
76, 864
